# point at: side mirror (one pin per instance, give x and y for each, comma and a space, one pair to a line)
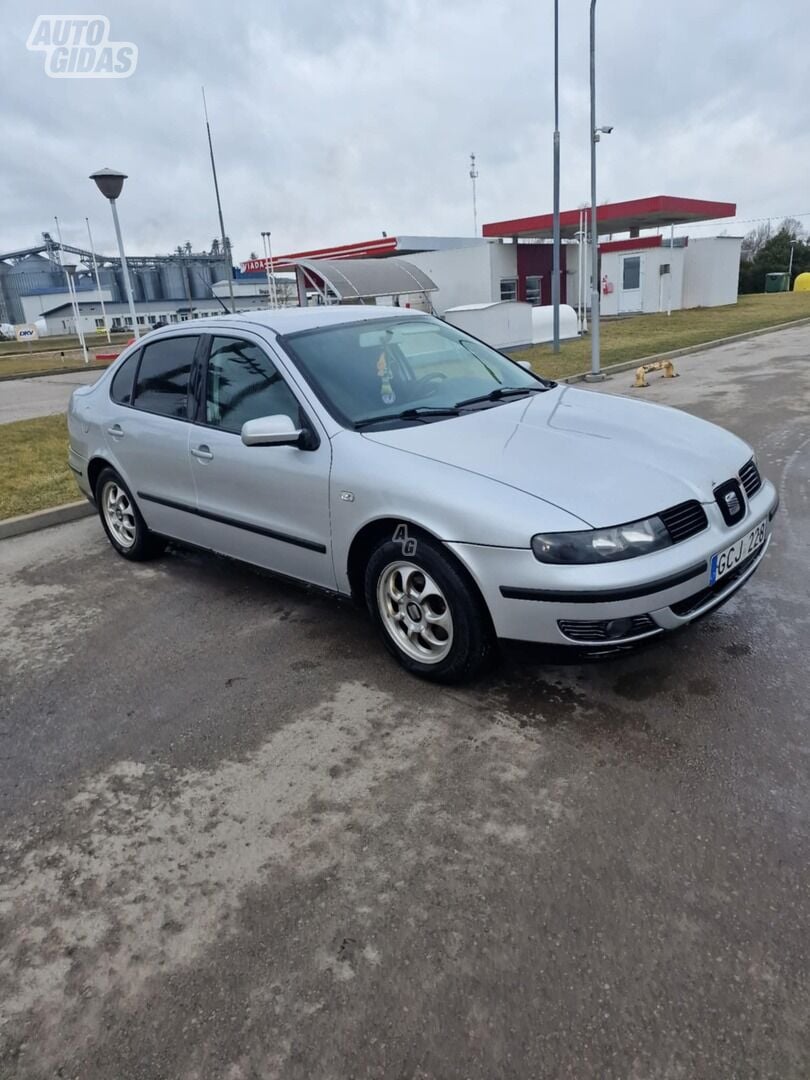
271, 431
524, 364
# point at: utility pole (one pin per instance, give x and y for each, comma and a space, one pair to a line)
555, 264
474, 177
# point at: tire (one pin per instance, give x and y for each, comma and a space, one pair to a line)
429, 615
122, 520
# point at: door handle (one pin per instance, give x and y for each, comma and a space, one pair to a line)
202, 453
116, 431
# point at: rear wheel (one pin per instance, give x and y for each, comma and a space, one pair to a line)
430, 617
122, 520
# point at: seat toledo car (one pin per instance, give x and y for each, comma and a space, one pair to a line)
383, 454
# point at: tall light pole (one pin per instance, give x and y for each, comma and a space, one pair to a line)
109, 183
596, 133
268, 266
474, 177
70, 270
555, 263
98, 282
793, 243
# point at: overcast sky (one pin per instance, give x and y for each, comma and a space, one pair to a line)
335, 120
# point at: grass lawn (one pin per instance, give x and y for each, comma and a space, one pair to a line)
51, 354
637, 336
46, 363
67, 342
35, 473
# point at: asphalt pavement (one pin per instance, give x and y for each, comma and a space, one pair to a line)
238, 842
24, 399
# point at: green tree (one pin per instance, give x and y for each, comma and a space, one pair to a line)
765, 252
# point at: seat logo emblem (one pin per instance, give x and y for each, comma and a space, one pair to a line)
732, 503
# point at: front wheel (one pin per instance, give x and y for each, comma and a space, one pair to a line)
122, 520
429, 615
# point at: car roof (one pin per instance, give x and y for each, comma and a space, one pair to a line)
291, 320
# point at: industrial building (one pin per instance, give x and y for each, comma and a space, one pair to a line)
33, 286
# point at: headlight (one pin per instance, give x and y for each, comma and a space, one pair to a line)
602, 545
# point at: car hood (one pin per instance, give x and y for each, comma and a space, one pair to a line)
603, 458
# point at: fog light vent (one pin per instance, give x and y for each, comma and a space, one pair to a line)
601, 630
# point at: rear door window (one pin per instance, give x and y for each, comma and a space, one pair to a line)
163, 376
124, 380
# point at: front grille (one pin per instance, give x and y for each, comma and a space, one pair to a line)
684, 520
750, 478
698, 599
606, 629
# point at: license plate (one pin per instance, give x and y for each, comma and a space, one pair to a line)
725, 561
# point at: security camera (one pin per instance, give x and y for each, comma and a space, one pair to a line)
606, 130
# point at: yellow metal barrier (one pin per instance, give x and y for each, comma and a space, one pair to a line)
666, 366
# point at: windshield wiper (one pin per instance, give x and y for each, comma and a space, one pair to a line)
502, 392
420, 413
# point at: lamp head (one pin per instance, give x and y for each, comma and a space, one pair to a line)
109, 182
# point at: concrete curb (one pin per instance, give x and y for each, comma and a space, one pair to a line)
55, 371
44, 519
631, 365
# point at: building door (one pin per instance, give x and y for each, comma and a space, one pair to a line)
630, 284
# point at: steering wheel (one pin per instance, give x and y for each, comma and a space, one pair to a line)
426, 380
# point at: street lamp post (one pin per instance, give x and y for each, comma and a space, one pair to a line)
790, 263
595, 369
596, 133
70, 274
109, 183
70, 271
555, 257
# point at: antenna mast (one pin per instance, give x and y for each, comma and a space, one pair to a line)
226, 244
474, 177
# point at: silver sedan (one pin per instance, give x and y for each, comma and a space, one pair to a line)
383, 454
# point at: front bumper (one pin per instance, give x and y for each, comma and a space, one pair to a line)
528, 599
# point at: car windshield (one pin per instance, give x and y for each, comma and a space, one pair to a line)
404, 370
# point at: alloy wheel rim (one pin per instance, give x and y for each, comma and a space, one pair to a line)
119, 514
415, 612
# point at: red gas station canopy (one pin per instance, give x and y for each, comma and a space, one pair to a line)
652, 213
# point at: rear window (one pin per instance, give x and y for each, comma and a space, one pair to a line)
163, 376
124, 379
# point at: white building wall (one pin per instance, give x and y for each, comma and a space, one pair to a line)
654, 291
34, 306
712, 270
467, 275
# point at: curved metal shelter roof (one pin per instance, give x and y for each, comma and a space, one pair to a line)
363, 279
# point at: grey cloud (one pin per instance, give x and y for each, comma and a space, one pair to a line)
333, 121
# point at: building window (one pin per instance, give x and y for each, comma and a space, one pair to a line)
534, 290
141, 320
631, 272
509, 288
99, 324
